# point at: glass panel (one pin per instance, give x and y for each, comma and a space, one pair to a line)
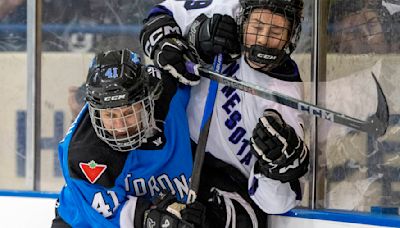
357, 170
72, 31
12, 25
302, 56
13, 94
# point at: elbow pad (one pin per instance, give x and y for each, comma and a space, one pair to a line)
156, 29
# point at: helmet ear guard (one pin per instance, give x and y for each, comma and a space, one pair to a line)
118, 85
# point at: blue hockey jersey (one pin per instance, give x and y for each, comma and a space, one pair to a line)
103, 186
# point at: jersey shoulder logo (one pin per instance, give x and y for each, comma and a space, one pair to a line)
197, 4
92, 170
158, 141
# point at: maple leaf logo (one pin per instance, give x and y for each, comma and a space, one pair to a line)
92, 170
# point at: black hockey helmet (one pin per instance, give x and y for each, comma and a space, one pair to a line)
265, 56
114, 79
292, 8
121, 99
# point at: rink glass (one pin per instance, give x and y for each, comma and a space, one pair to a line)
350, 170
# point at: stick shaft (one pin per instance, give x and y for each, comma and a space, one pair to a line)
204, 130
370, 127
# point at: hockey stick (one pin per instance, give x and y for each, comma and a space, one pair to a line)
376, 125
204, 130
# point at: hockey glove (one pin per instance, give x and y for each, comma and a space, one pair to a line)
171, 55
156, 29
216, 210
281, 153
212, 36
167, 212
229, 209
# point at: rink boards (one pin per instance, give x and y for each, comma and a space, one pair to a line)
25, 209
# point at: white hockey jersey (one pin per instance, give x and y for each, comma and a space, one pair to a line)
236, 112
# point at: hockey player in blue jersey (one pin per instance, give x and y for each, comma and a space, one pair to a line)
255, 147
128, 147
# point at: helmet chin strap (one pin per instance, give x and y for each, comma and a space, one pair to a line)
266, 58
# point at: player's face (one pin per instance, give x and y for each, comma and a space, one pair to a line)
266, 29
124, 121
359, 32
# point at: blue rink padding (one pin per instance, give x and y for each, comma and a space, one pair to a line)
51, 195
346, 217
385, 210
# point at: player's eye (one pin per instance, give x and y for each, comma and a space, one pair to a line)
106, 114
255, 27
277, 30
128, 112
109, 115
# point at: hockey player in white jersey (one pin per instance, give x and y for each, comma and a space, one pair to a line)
255, 147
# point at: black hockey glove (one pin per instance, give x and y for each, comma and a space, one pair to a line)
167, 212
212, 36
281, 154
229, 209
216, 210
171, 55
156, 29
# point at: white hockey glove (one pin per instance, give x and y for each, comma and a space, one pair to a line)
281, 153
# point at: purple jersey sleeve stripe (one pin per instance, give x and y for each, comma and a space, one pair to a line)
157, 10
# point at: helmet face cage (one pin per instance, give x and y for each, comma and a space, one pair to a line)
124, 128
269, 31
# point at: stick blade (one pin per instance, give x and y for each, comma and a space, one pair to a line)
379, 122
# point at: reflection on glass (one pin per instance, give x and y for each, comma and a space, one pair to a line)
356, 170
71, 25
12, 94
356, 28
12, 25
72, 31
